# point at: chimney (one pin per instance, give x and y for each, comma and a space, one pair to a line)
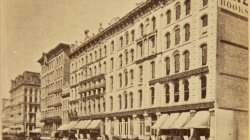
86, 32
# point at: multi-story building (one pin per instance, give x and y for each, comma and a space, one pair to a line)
24, 101
169, 68
6, 123
54, 75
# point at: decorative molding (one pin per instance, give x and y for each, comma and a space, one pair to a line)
234, 44
180, 75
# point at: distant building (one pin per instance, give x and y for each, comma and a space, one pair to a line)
6, 123
24, 101
54, 79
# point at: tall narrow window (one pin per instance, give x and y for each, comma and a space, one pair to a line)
105, 50
203, 87
140, 49
120, 79
152, 42
126, 78
176, 91
204, 2
177, 36
188, 6
104, 67
141, 30
204, 54
132, 36
178, 11
204, 20
153, 69
153, 23
120, 57
152, 90
177, 63
112, 64
111, 82
125, 101
187, 32
120, 101
111, 103
168, 14
167, 61
187, 60
132, 55
186, 90
168, 40
95, 55
167, 93
121, 42
140, 98
132, 76
131, 100
126, 57
141, 73
127, 38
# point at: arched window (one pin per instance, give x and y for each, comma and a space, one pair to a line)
177, 63
141, 30
204, 54
131, 100
132, 76
140, 98
176, 91
186, 60
112, 63
133, 35
120, 57
167, 93
126, 57
132, 55
105, 50
187, 32
112, 46
125, 101
91, 57
153, 23
127, 38
168, 14
100, 68
178, 11
95, 55
168, 40
152, 90
177, 36
120, 79
100, 52
141, 73
167, 61
94, 70
204, 20
153, 69
104, 67
186, 90
188, 6
121, 42
120, 101
126, 78
111, 82
203, 87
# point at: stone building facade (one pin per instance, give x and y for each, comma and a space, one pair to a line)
168, 69
24, 102
54, 75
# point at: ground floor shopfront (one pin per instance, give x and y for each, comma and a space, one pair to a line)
49, 128
183, 122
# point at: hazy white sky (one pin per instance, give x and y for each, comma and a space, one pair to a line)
30, 27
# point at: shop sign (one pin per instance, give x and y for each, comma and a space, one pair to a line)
239, 7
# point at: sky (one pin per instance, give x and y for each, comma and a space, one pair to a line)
31, 27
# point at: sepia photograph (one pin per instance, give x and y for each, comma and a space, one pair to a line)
124, 70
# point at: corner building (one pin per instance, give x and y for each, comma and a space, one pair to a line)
54, 81
169, 69
24, 102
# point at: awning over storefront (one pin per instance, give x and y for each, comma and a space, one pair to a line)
95, 124
200, 120
82, 124
169, 121
63, 127
37, 130
182, 120
160, 121
72, 124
